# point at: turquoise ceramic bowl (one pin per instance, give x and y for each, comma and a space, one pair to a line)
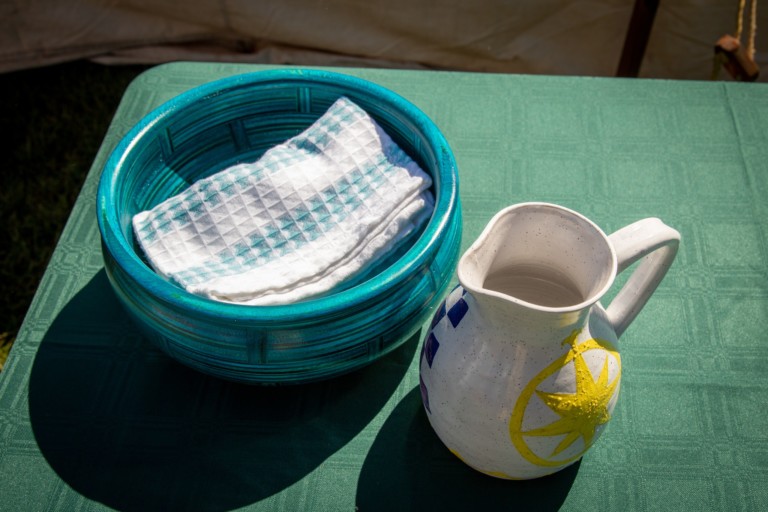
236, 119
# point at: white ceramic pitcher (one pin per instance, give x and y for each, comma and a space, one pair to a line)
521, 369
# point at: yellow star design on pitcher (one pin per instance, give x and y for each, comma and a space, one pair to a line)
580, 412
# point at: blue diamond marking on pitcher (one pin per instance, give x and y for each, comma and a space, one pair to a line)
438, 316
430, 348
457, 312
424, 394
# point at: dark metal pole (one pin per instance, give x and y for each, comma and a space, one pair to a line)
638, 34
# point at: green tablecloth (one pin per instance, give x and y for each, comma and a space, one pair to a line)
92, 416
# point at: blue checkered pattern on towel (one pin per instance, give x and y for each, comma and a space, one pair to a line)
331, 177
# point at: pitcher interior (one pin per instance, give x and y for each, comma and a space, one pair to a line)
545, 255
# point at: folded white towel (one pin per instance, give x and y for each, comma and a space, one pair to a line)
311, 213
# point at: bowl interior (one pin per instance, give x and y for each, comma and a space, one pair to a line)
236, 120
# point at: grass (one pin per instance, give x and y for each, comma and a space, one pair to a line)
53, 120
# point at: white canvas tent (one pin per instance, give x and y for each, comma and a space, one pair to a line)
556, 37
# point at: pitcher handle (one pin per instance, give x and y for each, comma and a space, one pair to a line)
654, 242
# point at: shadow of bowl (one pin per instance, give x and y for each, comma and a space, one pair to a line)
124, 425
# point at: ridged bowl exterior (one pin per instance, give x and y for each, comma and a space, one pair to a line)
236, 120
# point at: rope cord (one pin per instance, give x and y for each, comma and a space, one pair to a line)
752, 30
749, 50
750, 47
740, 19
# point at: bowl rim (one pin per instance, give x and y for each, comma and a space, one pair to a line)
419, 254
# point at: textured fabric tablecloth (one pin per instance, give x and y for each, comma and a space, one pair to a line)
93, 417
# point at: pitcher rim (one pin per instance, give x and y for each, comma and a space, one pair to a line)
481, 239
